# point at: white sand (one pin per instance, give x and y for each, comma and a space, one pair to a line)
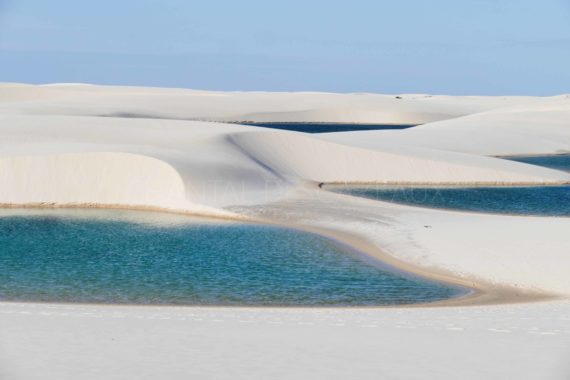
119, 146
535, 128
92, 342
66, 99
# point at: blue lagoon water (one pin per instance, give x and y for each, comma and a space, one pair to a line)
523, 200
110, 256
328, 127
559, 162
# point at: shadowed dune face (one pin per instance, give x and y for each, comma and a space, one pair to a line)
301, 156
90, 178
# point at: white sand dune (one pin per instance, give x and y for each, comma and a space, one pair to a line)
309, 158
84, 145
532, 129
89, 100
90, 178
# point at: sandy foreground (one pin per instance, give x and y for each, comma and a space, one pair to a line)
97, 342
169, 149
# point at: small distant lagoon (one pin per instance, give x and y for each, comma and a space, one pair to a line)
328, 127
522, 200
518, 200
132, 257
558, 162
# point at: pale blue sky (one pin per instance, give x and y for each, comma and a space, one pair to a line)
438, 46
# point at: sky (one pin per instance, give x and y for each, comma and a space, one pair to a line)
459, 47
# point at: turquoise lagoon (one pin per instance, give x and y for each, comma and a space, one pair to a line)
135, 257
